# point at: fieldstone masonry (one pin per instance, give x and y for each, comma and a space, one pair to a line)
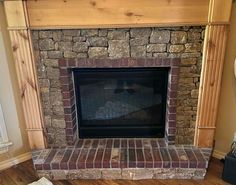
175, 42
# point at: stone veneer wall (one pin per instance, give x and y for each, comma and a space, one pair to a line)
175, 42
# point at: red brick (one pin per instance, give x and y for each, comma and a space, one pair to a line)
140, 158
90, 158
116, 143
157, 158
65, 159
165, 157
98, 158
109, 143
106, 158
132, 158
73, 160
62, 62
148, 158
131, 143
82, 159
124, 158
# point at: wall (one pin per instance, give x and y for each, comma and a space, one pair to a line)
177, 42
9, 98
226, 122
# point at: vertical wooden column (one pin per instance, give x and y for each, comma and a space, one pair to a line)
213, 60
212, 67
26, 74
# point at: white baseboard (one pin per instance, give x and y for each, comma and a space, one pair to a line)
219, 155
15, 160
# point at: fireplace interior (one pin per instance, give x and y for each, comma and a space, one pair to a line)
121, 102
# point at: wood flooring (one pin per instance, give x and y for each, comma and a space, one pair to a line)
24, 173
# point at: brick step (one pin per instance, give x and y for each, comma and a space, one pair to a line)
120, 153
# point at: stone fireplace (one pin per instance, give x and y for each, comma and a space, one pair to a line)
57, 52
61, 57
119, 35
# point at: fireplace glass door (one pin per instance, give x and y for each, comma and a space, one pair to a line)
124, 102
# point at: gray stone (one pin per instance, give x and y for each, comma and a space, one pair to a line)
191, 55
35, 35
56, 98
102, 33
160, 55
65, 46
58, 123
46, 44
54, 54
98, 41
194, 93
45, 174
193, 47
89, 174
45, 34
66, 38
82, 55
176, 48
52, 73
44, 82
43, 54
57, 35
160, 37
97, 52
80, 47
73, 33
186, 81
178, 37
47, 121
79, 39
111, 174
140, 32
139, 41
70, 54
138, 51
137, 174
156, 48
58, 110
59, 174
117, 35
50, 62
55, 83
194, 36
188, 61
118, 49
89, 33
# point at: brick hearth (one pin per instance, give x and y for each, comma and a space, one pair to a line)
122, 159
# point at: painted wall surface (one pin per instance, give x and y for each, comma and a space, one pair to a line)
226, 122
10, 95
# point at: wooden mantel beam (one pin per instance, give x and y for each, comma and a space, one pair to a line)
26, 74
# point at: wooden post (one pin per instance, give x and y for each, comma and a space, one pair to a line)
213, 60
212, 67
26, 73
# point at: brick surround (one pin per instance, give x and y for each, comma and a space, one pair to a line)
67, 86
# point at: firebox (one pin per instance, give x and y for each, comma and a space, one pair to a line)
121, 102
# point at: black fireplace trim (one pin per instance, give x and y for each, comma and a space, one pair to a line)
119, 130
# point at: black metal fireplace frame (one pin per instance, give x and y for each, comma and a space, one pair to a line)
127, 131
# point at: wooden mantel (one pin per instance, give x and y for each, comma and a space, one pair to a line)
61, 14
